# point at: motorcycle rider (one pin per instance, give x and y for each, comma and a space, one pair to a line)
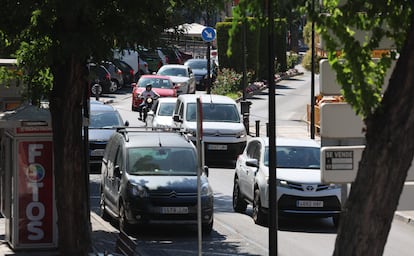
144, 95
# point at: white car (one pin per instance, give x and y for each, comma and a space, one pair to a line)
161, 114
300, 191
182, 76
224, 134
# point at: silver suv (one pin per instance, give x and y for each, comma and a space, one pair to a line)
144, 183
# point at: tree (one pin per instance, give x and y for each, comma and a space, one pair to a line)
53, 40
373, 199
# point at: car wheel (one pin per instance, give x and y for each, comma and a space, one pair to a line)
96, 90
336, 220
259, 217
118, 85
103, 213
207, 228
123, 222
239, 205
113, 87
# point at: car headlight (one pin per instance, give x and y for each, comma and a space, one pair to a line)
205, 190
241, 134
282, 183
137, 190
334, 186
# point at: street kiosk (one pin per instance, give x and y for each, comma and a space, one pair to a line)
27, 178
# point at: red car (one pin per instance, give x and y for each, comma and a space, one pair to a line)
160, 84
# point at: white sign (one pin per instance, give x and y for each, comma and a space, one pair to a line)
339, 164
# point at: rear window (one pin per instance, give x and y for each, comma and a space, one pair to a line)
162, 161
104, 119
155, 82
214, 112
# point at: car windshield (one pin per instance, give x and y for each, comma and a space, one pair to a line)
214, 112
199, 64
295, 157
156, 83
162, 161
166, 109
104, 120
173, 72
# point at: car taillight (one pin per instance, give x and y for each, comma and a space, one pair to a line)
167, 60
108, 76
131, 72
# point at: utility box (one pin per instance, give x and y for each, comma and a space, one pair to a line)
27, 178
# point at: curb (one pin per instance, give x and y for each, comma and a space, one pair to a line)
404, 217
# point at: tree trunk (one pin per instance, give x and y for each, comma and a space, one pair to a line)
71, 180
373, 199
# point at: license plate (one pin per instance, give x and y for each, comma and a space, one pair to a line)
217, 147
301, 203
174, 210
97, 152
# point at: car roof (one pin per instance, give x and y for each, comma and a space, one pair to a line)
155, 76
288, 141
207, 98
167, 99
100, 106
157, 139
173, 66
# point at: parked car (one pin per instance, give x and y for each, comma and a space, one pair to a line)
116, 73
170, 55
127, 71
152, 58
103, 121
98, 74
160, 84
133, 59
300, 191
224, 134
161, 114
143, 183
182, 76
199, 68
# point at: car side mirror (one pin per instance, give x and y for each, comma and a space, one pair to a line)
117, 171
252, 163
126, 123
205, 170
177, 118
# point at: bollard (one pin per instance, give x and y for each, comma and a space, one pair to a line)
257, 128
267, 129
245, 111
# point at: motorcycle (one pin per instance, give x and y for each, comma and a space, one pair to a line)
148, 102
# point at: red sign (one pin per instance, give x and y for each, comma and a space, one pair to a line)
35, 192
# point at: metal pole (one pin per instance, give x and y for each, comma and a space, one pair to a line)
200, 169
208, 68
312, 113
273, 250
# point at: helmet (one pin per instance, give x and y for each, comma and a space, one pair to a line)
148, 85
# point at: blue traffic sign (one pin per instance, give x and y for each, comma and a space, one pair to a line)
208, 34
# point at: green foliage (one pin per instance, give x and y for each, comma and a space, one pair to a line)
227, 81
230, 83
307, 61
292, 60
362, 77
230, 45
